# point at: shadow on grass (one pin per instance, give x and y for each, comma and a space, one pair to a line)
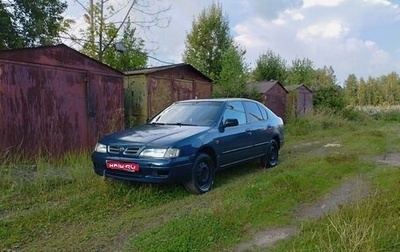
156, 194
145, 193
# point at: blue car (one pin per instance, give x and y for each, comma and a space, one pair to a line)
189, 141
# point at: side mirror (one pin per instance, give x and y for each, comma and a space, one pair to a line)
231, 122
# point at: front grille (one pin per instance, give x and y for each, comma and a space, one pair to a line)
129, 151
113, 149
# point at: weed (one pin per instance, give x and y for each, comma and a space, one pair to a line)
49, 203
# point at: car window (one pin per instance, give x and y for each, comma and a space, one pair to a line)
235, 110
189, 113
253, 112
264, 112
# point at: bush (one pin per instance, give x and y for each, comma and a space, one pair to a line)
388, 116
352, 114
329, 97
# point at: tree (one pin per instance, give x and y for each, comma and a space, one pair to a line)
301, 72
326, 93
233, 77
125, 55
323, 77
383, 90
131, 55
330, 97
270, 66
208, 41
372, 92
107, 35
390, 88
351, 90
27, 23
9, 37
362, 93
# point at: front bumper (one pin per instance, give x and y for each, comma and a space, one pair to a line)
165, 170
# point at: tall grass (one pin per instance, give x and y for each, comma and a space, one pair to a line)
60, 204
369, 225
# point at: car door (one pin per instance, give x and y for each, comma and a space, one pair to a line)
260, 128
236, 141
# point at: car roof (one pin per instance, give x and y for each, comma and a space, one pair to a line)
217, 100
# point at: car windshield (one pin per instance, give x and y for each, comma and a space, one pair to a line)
189, 113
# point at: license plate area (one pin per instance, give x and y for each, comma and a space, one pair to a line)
122, 166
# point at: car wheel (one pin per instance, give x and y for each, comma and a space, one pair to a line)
270, 159
203, 174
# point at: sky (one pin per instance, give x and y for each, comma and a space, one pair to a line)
360, 37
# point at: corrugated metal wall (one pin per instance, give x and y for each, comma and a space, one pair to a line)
300, 101
304, 101
135, 100
52, 110
148, 94
275, 99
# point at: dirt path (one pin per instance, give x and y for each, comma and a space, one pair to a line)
351, 190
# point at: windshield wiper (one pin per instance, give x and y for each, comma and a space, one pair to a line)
182, 124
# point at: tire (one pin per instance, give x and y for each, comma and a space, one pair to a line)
270, 159
203, 174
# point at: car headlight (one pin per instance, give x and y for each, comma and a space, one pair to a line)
102, 148
159, 153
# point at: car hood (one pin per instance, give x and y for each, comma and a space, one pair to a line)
161, 135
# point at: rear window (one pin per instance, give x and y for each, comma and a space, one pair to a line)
253, 112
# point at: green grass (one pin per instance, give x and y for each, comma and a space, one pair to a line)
48, 205
369, 225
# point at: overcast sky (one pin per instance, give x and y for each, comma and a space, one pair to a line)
353, 36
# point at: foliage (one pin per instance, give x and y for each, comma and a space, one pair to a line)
323, 77
382, 91
233, 77
208, 42
387, 115
253, 93
350, 90
116, 43
27, 23
330, 97
270, 66
132, 56
368, 225
301, 72
353, 114
61, 205
102, 42
98, 30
